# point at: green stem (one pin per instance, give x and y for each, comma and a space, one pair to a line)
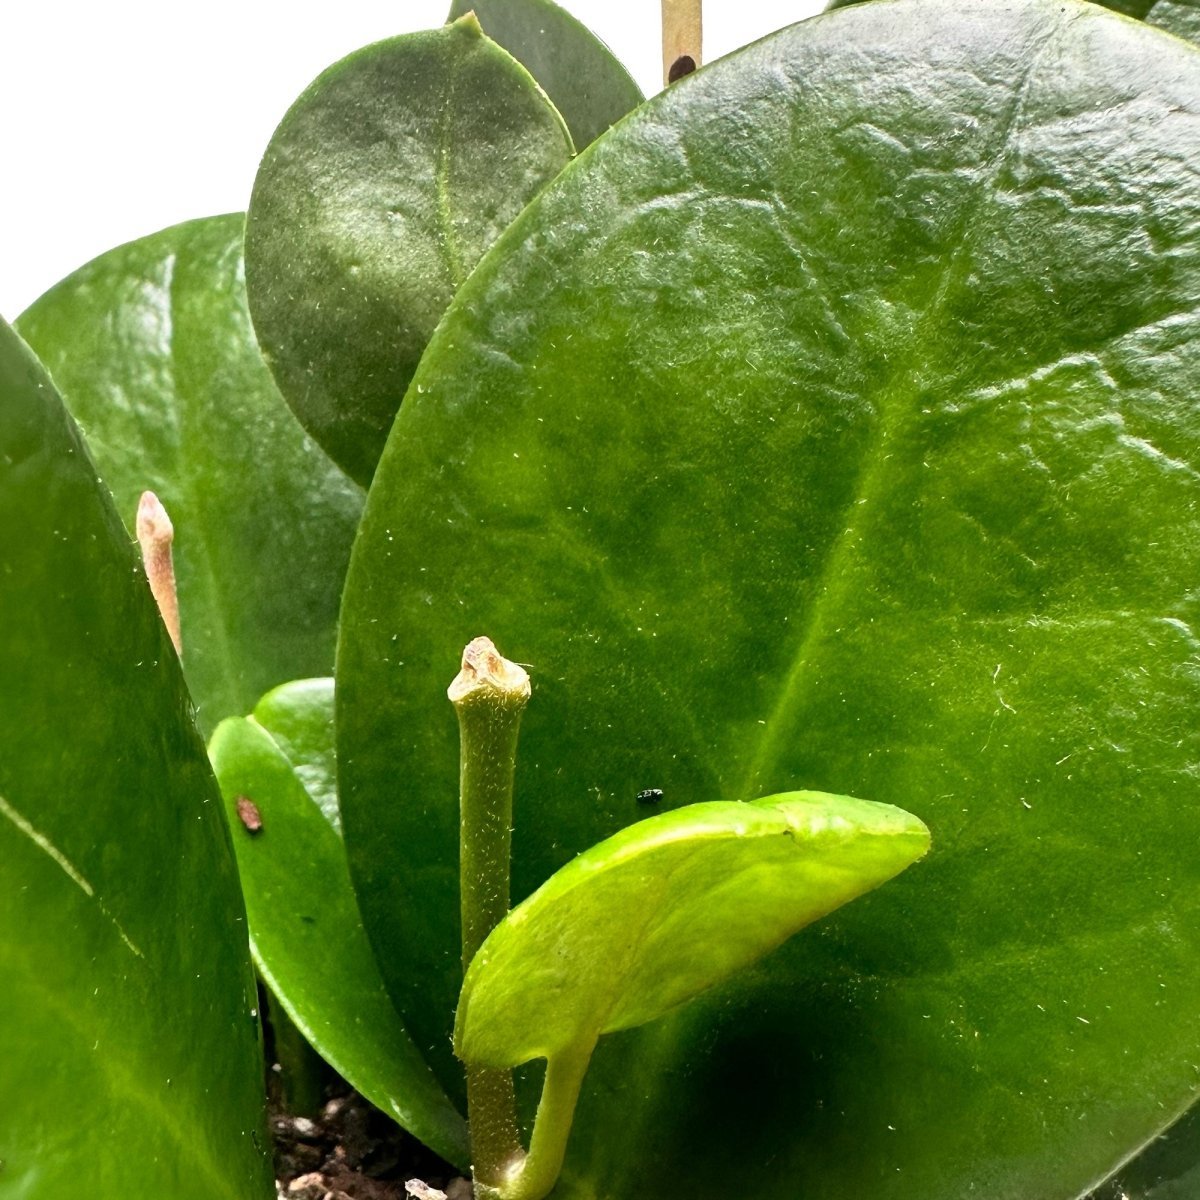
489, 694
533, 1178
302, 1070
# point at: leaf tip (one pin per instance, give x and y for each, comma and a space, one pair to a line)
468, 23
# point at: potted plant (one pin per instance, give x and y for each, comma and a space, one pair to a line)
827, 425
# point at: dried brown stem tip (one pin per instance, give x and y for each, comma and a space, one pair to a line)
155, 533
486, 673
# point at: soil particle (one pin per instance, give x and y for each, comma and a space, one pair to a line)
351, 1151
456, 1189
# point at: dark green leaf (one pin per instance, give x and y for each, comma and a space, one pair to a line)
1180, 17
152, 346
129, 1049
833, 424
305, 930
579, 73
379, 192
666, 908
1168, 1168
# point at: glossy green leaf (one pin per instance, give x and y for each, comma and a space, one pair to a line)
1130, 8
152, 346
379, 192
833, 423
579, 73
129, 1050
299, 717
1180, 17
666, 908
305, 930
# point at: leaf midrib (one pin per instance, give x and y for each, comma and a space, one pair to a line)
890, 422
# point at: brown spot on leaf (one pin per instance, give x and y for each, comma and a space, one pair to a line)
248, 814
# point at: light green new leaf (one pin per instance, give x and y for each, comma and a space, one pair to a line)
834, 422
382, 187
152, 346
130, 1061
305, 930
579, 73
666, 908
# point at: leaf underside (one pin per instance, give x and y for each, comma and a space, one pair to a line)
665, 909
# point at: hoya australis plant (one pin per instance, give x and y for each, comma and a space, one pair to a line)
825, 427
636, 924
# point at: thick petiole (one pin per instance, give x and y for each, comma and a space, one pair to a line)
489, 695
537, 1174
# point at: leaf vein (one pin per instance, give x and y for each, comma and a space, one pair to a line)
68, 868
889, 418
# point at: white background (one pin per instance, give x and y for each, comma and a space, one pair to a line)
123, 117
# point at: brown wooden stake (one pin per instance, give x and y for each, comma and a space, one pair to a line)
155, 533
681, 37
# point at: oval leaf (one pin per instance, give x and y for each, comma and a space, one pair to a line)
832, 424
1130, 8
129, 1048
305, 930
663, 910
299, 718
379, 192
1180, 17
152, 346
579, 73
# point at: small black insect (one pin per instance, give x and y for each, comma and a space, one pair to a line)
649, 796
